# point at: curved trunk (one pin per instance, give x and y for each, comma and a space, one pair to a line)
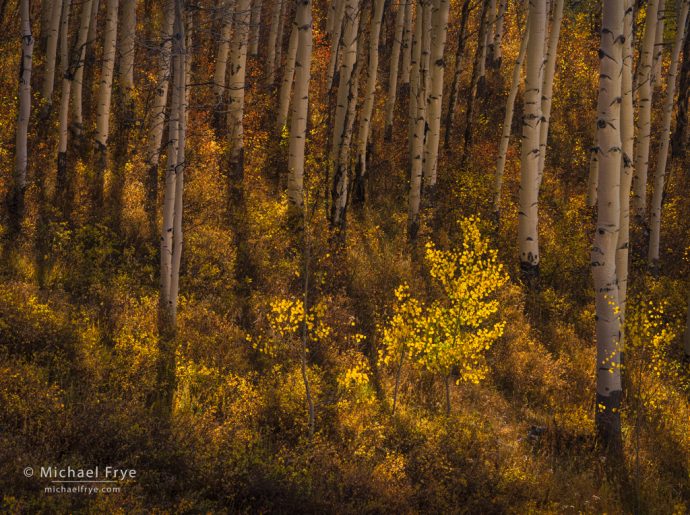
608, 396
528, 212
368, 105
341, 12
435, 102
645, 92
660, 172
77, 124
288, 77
508, 120
300, 111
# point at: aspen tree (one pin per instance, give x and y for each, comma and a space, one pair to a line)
645, 92
368, 105
171, 234
508, 120
126, 50
528, 211
608, 394
255, 28
455, 86
395, 65
272, 38
89, 25
658, 43
406, 45
417, 121
221, 66
23, 114
157, 113
76, 63
678, 138
547, 85
482, 49
490, 31
340, 21
477, 65
64, 37
343, 101
593, 178
279, 37
236, 84
52, 40
660, 172
435, 101
288, 78
105, 91
627, 125
300, 110
330, 18
498, 34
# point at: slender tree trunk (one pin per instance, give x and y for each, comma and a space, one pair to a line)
593, 178
330, 18
498, 35
288, 77
52, 40
272, 38
406, 46
300, 112
627, 125
658, 44
608, 396
236, 83
171, 234
660, 172
678, 139
345, 95
435, 102
547, 85
395, 64
23, 116
508, 121
490, 32
220, 72
528, 211
417, 121
255, 28
284, 10
645, 92
105, 91
157, 116
341, 12
77, 123
455, 87
477, 65
368, 106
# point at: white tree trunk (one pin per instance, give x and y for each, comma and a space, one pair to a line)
395, 65
341, 12
658, 43
272, 38
528, 213
255, 28
64, 37
547, 85
660, 172
498, 34
89, 26
236, 83
508, 120
368, 105
221, 67
300, 109
608, 396
435, 98
490, 31
288, 78
627, 145
593, 178
105, 89
417, 121
24, 110
645, 92
51, 54
344, 112
126, 49
407, 44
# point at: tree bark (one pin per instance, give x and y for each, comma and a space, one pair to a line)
645, 93
455, 87
528, 211
288, 78
300, 111
255, 28
395, 65
678, 139
498, 35
23, 116
660, 172
406, 45
477, 65
340, 20
272, 38
52, 40
608, 396
77, 123
221, 66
